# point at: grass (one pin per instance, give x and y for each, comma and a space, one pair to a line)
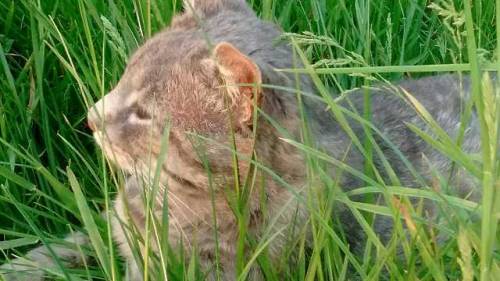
57, 57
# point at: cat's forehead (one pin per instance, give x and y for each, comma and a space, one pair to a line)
169, 49
167, 63
170, 73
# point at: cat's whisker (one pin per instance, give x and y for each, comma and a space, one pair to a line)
184, 206
180, 229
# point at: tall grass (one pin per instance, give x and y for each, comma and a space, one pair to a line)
58, 57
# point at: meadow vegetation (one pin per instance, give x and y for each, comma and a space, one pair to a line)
58, 57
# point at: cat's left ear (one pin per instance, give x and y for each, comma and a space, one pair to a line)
243, 80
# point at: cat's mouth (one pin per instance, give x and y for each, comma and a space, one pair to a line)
113, 152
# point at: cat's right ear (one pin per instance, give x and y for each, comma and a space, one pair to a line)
243, 81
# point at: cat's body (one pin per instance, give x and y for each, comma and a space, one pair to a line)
445, 98
190, 207
177, 78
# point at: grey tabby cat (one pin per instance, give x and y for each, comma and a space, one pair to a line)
203, 75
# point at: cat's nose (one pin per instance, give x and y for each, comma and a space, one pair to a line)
103, 110
92, 126
94, 121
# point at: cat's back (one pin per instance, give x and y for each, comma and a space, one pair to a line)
394, 107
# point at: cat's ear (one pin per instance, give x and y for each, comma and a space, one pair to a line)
243, 80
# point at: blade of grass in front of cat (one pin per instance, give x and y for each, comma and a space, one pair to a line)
91, 226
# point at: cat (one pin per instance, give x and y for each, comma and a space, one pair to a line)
204, 77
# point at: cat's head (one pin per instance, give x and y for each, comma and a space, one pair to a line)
177, 81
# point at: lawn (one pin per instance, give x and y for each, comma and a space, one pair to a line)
58, 57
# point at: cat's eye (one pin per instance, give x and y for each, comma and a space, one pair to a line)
139, 116
142, 114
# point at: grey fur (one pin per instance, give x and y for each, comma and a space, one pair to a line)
173, 77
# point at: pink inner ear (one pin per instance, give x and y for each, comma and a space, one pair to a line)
246, 115
241, 68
